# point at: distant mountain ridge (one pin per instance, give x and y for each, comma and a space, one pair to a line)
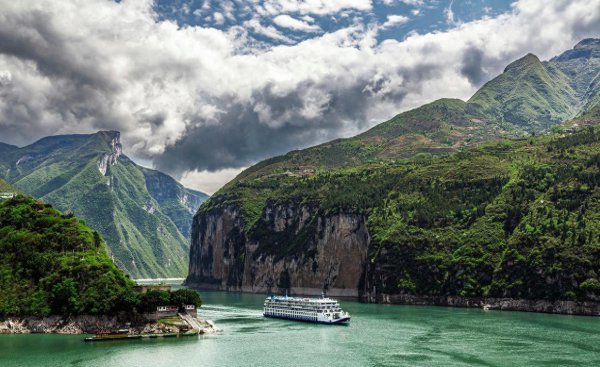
530, 96
144, 215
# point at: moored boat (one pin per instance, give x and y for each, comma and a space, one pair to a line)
112, 335
124, 334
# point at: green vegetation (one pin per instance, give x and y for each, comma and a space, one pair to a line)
514, 218
6, 188
528, 94
52, 263
181, 297
144, 215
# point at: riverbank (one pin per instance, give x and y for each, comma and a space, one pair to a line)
88, 324
489, 303
588, 308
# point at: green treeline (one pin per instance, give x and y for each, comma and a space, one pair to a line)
51, 263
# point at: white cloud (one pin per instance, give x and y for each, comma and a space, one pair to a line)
449, 13
407, 2
5, 78
198, 99
218, 18
209, 182
286, 21
266, 30
394, 20
317, 7
413, 2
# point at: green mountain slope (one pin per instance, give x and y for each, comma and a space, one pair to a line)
385, 213
6, 189
529, 94
441, 127
580, 64
144, 215
52, 264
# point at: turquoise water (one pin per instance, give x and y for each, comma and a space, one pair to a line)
379, 335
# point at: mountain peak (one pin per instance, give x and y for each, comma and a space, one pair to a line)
109, 135
585, 49
113, 139
588, 43
527, 61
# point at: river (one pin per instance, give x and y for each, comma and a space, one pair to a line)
379, 335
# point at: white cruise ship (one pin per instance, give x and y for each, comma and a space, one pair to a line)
319, 310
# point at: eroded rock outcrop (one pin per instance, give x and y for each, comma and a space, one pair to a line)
111, 159
293, 247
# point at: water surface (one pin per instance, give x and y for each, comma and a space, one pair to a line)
379, 335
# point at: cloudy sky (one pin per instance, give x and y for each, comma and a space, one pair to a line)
201, 88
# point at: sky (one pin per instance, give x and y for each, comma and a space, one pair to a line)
202, 89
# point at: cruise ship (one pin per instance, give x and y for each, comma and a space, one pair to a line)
319, 310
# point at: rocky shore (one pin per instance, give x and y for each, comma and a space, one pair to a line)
87, 324
487, 303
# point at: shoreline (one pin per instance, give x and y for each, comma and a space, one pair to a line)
558, 307
90, 324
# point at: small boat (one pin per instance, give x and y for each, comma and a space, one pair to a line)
124, 334
112, 335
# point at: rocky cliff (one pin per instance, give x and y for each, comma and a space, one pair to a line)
293, 246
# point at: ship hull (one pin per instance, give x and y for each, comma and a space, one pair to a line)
340, 321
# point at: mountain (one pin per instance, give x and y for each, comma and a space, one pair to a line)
441, 127
434, 202
530, 96
144, 215
581, 65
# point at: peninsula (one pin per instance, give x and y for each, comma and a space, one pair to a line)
56, 277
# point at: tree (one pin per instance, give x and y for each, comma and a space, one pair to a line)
153, 298
185, 297
65, 297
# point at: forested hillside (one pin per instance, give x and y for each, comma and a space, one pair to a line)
52, 264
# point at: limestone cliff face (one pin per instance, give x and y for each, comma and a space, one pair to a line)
294, 247
110, 159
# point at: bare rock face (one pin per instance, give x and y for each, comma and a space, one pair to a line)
111, 159
89, 324
58, 324
293, 247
